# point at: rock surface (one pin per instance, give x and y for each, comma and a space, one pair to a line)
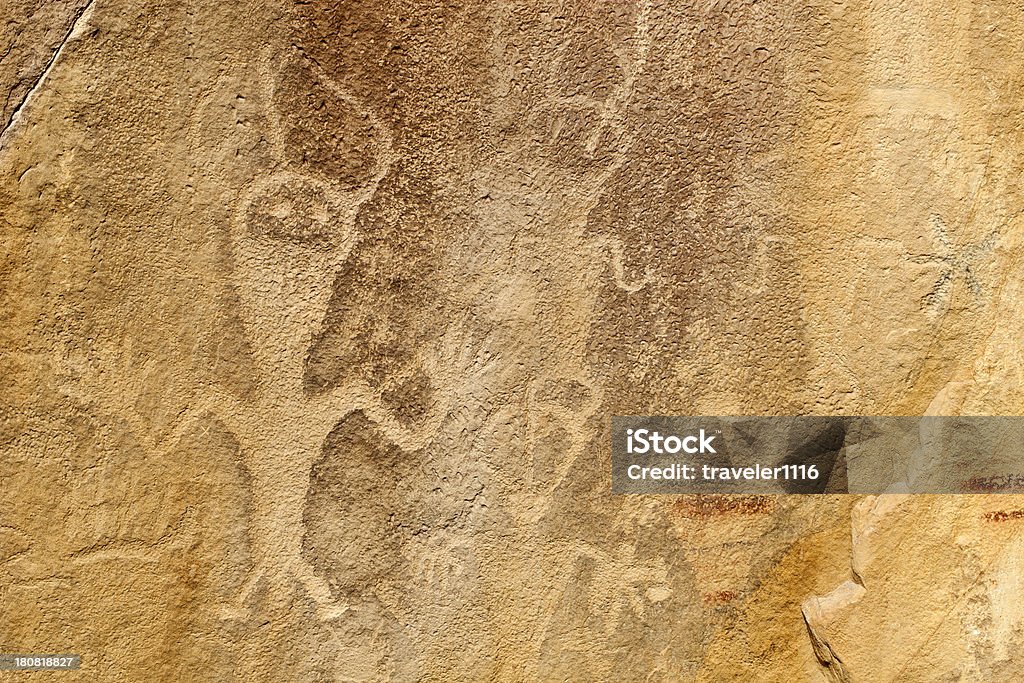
315, 314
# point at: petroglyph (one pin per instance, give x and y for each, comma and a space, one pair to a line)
291, 235
957, 263
602, 151
291, 232
315, 309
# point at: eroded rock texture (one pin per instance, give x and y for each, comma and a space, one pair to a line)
315, 314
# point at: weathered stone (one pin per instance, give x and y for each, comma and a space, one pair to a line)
315, 315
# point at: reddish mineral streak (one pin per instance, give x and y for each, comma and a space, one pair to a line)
1003, 484
721, 505
1003, 515
719, 597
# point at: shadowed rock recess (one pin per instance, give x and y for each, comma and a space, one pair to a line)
315, 315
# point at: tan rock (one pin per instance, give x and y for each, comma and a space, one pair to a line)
315, 315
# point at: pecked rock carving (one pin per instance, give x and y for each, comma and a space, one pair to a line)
291, 233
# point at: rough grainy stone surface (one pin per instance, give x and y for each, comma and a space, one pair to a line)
314, 315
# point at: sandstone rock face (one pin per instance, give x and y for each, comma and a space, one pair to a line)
315, 315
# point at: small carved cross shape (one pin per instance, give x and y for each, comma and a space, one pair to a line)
956, 262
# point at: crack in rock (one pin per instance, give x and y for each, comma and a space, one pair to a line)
81, 17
